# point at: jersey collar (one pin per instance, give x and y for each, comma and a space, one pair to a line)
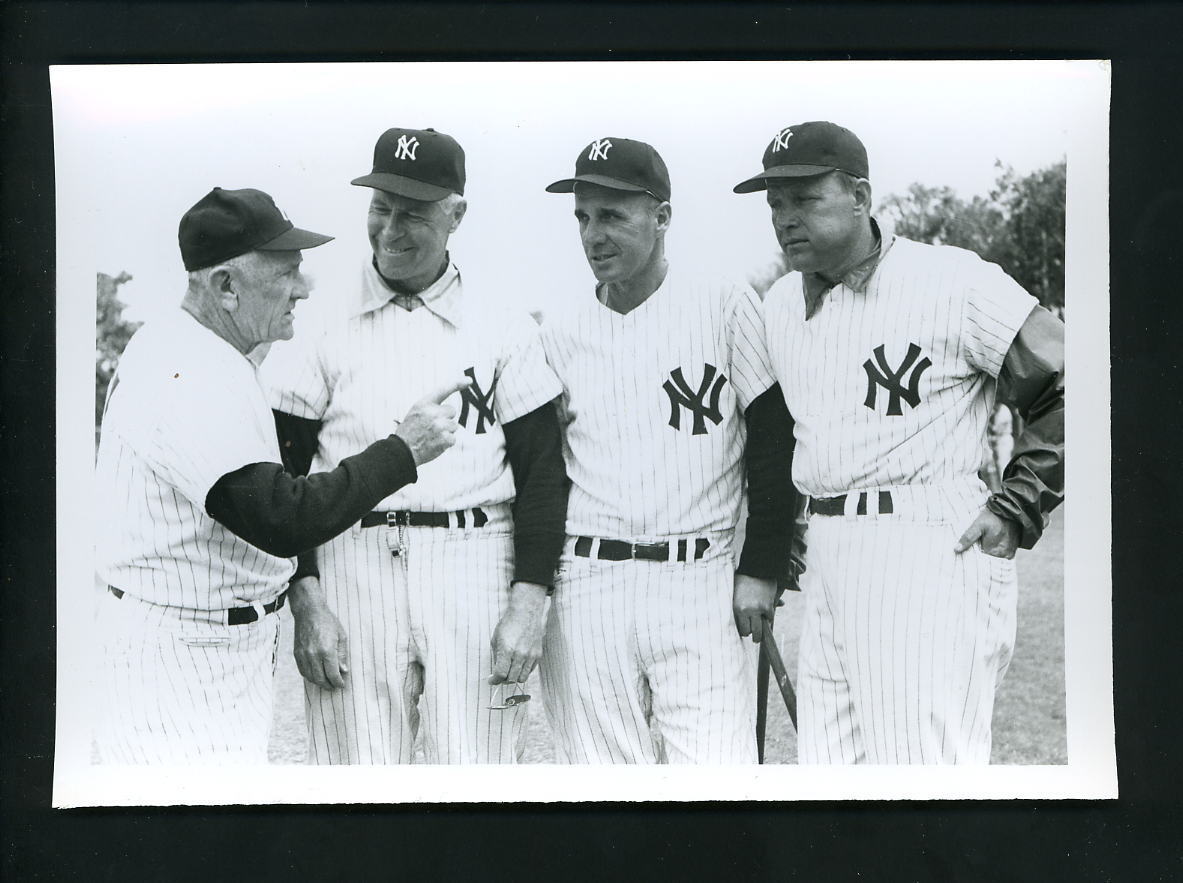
442, 297
815, 286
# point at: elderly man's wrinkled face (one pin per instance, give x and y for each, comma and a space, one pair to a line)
269, 283
619, 230
817, 219
410, 238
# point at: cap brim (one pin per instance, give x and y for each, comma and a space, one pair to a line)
294, 240
760, 181
567, 185
403, 186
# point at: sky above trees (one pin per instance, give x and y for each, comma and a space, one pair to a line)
135, 146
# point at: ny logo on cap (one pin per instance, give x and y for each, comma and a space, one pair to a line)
406, 147
599, 149
782, 139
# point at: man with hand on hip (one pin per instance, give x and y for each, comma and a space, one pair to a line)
890, 354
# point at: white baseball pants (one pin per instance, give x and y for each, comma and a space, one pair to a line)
904, 642
635, 648
419, 629
181, 688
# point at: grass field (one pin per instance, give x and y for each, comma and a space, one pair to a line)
1028, 715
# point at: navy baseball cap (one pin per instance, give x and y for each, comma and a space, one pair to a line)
809, 149
421, 164
226, 223
619, 164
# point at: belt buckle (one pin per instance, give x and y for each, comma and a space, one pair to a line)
648, 548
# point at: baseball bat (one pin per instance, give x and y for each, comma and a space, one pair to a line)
761, 705
769, 651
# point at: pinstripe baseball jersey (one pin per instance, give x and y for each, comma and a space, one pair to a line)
651, 407
894, 385
361, 376
184, 409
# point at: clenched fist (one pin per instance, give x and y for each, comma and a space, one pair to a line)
430, 426
753, 600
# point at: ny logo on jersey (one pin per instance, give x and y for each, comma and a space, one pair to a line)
882, 374
599, 149
694, 401
473, 398
406, 147
781, 141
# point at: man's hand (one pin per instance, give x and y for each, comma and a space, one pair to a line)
430, 426
999, 536
754, 599
321, 647
517, 640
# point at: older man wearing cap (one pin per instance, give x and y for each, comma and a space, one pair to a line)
198, 522
664, 375
890, 354
434, 603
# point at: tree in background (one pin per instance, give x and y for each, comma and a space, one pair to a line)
113, 335
936, 215
1020, 226
1032, 251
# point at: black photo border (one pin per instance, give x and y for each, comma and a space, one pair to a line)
1135, 837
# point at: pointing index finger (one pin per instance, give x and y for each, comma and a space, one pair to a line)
438, 394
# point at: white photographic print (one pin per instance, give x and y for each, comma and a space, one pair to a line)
479, 240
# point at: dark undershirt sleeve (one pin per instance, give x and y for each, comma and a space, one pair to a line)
286, 515
299, 438
773, 501
533, 446
1032, 379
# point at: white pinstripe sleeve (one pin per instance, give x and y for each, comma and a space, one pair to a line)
208, 428
526, 381
296, 377
751, 369
996, 307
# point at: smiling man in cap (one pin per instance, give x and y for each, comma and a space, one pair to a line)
199, 524
890, 354
664, 375
433, 606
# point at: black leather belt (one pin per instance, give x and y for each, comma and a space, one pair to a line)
403, 518
837, 505
234, 615
619, 550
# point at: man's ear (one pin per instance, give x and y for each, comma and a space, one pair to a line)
457, 215
862, 196
223, 279
664, 214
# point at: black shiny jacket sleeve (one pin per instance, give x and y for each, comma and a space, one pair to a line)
533, 446
774, 535
1032, 379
